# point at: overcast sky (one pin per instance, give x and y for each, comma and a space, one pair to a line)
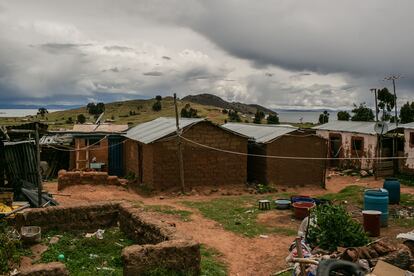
281, 53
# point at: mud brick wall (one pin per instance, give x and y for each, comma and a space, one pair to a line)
66, 179
287, 172
49, 269
79, 217
177, 255
201, 166
131, 157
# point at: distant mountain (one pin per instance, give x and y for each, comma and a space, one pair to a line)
213, 100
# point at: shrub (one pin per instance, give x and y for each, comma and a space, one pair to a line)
335, 227
156, 106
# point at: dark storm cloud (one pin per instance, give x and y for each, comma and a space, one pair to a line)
153, 74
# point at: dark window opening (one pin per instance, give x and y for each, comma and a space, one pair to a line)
411, 139
357, 143
94, 141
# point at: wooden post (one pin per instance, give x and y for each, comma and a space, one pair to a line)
179, 145
298, 242
39, 187
2, 163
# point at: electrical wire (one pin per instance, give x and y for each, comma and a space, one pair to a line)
292, 157
79, 149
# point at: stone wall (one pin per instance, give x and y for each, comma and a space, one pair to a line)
66, 179
159, 245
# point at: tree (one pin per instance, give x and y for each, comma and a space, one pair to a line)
234, 116
81, 119
156, 106
407, 113
158, 98
95, 109
258, 117
324, 117
362, 113
188, 112
69, 120
42, 111
385, 102
343, 116
272, 119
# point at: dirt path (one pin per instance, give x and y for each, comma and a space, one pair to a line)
244, 256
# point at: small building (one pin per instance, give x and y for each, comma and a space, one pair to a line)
407, 165
357, 140
151, 154
98, 147
279, 142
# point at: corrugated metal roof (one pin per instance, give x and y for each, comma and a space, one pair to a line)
352, 126
408, 125
156, 129
56, 139
260, 133
111, 128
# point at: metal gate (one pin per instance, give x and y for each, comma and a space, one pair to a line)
115, 158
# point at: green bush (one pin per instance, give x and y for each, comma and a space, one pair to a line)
335, 227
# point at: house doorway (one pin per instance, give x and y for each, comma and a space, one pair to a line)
335, 149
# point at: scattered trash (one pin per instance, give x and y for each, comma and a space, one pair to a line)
98, 234
264, 236
118, 244
105, 268
14, 272
249, 211
54, 240
93, 256
61, 257
31, 234
408, 236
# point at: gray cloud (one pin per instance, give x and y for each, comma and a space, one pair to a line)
282, 54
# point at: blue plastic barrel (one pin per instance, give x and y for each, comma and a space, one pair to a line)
392, 185
377, 200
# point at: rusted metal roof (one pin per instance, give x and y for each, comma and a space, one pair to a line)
260, 133
156, 129
110, 128
352, 126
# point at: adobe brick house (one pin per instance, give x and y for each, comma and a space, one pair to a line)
283, 140
407, 165
102, 142
351, 139
151, 154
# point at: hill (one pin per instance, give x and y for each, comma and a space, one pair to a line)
213, 100
134, 112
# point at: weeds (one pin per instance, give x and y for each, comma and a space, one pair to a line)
165, 209
238, 215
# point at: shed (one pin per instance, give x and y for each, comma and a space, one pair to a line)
100, 144
283, 141
151, 154
351, 139
407, 165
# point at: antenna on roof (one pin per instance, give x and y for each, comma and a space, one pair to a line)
98, 121
381, 128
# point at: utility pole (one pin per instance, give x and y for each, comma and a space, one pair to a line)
179, 146
393, 78
39, 187
376, 103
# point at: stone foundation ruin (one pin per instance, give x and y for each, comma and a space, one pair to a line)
158, 245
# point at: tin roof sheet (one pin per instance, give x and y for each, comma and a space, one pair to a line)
156, 129
111, 128
260, 133
408, 125
351, 126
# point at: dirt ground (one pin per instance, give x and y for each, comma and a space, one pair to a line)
244, 256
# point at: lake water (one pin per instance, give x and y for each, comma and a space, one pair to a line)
295, 116
20, 112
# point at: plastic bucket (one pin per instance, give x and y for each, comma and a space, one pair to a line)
301, 209
372, 222
392, 185
282, 203
301, 199
377, 199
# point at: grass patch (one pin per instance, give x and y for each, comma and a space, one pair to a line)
403, 222
407, 200
238, 215
405, 179
88, 256
353, 194
210, 265
183, 215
